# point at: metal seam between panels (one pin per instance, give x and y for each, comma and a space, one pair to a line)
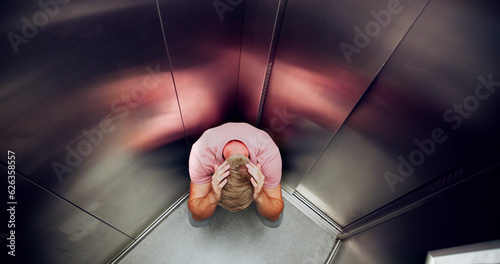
172, 72
295, 196
149, 229
335, 249
67, 201
417, 197
320, 218
278, 22
383, 65
326, 219
365, 92
239, 60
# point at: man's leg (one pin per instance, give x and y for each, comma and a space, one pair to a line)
265, 221
203, 222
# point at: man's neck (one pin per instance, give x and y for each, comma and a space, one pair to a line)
234, 148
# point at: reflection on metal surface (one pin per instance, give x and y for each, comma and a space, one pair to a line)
313, 87
50, 230
204, 52
423, 194
477, 253
97, 99
258, 28
421, 117
89, 106
443, 222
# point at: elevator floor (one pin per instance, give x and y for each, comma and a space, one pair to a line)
233, 238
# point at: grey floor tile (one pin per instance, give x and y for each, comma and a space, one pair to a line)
233, 238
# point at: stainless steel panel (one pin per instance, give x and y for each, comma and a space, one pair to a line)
203, 40
409, 127
258, 28
50, 230
465, 215
328, 54
83, 97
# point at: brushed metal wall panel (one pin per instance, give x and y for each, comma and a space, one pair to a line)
84, 97
204, 46
50, 230
328, 54
442, 223
429, 110
258, 28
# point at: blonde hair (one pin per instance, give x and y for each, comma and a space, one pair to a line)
237, 194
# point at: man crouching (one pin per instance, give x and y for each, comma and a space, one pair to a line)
249, 171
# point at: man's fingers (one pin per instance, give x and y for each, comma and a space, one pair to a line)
255, 175
255, 172
254, 183
224, 167
251, 168
223, 176
257, 178
217, 179
219, 167
256, 168
250, 164
222, 184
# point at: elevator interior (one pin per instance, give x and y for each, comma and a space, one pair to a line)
386, 114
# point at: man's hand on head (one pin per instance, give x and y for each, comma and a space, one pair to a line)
257, 180
219, 181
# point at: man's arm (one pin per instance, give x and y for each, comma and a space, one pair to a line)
201, 203
270, 204
269, 201
203, 198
